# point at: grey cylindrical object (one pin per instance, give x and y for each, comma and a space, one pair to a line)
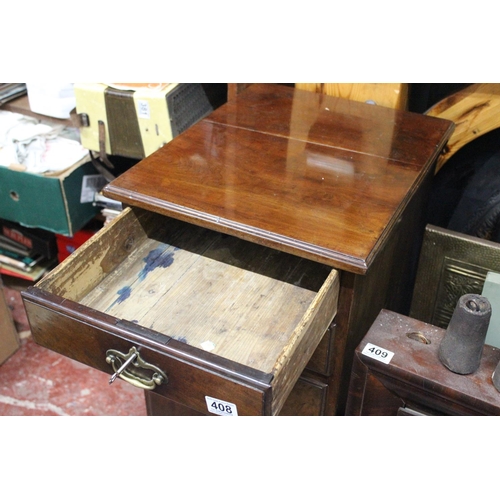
462, 345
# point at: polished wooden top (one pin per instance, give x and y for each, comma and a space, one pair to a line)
313, 175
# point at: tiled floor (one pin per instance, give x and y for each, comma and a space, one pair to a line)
37, 381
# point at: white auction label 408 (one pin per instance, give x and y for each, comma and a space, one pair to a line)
220, 407
376, 352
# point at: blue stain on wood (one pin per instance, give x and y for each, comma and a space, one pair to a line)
123, 294
156, 258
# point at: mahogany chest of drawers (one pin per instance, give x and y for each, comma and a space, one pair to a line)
256, 249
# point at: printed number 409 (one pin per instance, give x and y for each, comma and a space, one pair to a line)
376, 352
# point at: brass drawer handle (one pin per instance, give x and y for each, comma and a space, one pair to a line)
131, 367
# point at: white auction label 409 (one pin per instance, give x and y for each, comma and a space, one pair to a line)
376, 352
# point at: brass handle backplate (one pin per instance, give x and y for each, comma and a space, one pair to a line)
133, 369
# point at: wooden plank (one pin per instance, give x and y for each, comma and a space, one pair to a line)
240, 315
391, 95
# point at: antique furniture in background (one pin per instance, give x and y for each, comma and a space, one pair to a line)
396, 371
451, 265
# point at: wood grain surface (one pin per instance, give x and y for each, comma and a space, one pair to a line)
317, 176
391, 95
475, 111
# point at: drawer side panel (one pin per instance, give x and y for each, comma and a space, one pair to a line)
97, 257
305, 340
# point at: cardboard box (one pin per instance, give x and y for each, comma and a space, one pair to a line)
9, 340
61, 203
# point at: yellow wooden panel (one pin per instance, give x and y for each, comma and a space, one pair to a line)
390, 95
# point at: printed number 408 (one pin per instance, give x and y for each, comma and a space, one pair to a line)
222, 408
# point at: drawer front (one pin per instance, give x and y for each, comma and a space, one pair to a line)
163, 407
307, 399
189, 379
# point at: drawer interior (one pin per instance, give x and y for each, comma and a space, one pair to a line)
215, 292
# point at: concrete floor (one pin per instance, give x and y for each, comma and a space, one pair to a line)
37, 381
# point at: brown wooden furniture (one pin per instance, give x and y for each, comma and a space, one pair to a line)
451, 264
414, 382
281, 224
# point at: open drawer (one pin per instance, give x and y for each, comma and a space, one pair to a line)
207, 320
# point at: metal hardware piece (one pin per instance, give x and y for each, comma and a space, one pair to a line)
122, 367
131, 367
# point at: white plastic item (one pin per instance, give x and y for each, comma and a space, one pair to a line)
51, 99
